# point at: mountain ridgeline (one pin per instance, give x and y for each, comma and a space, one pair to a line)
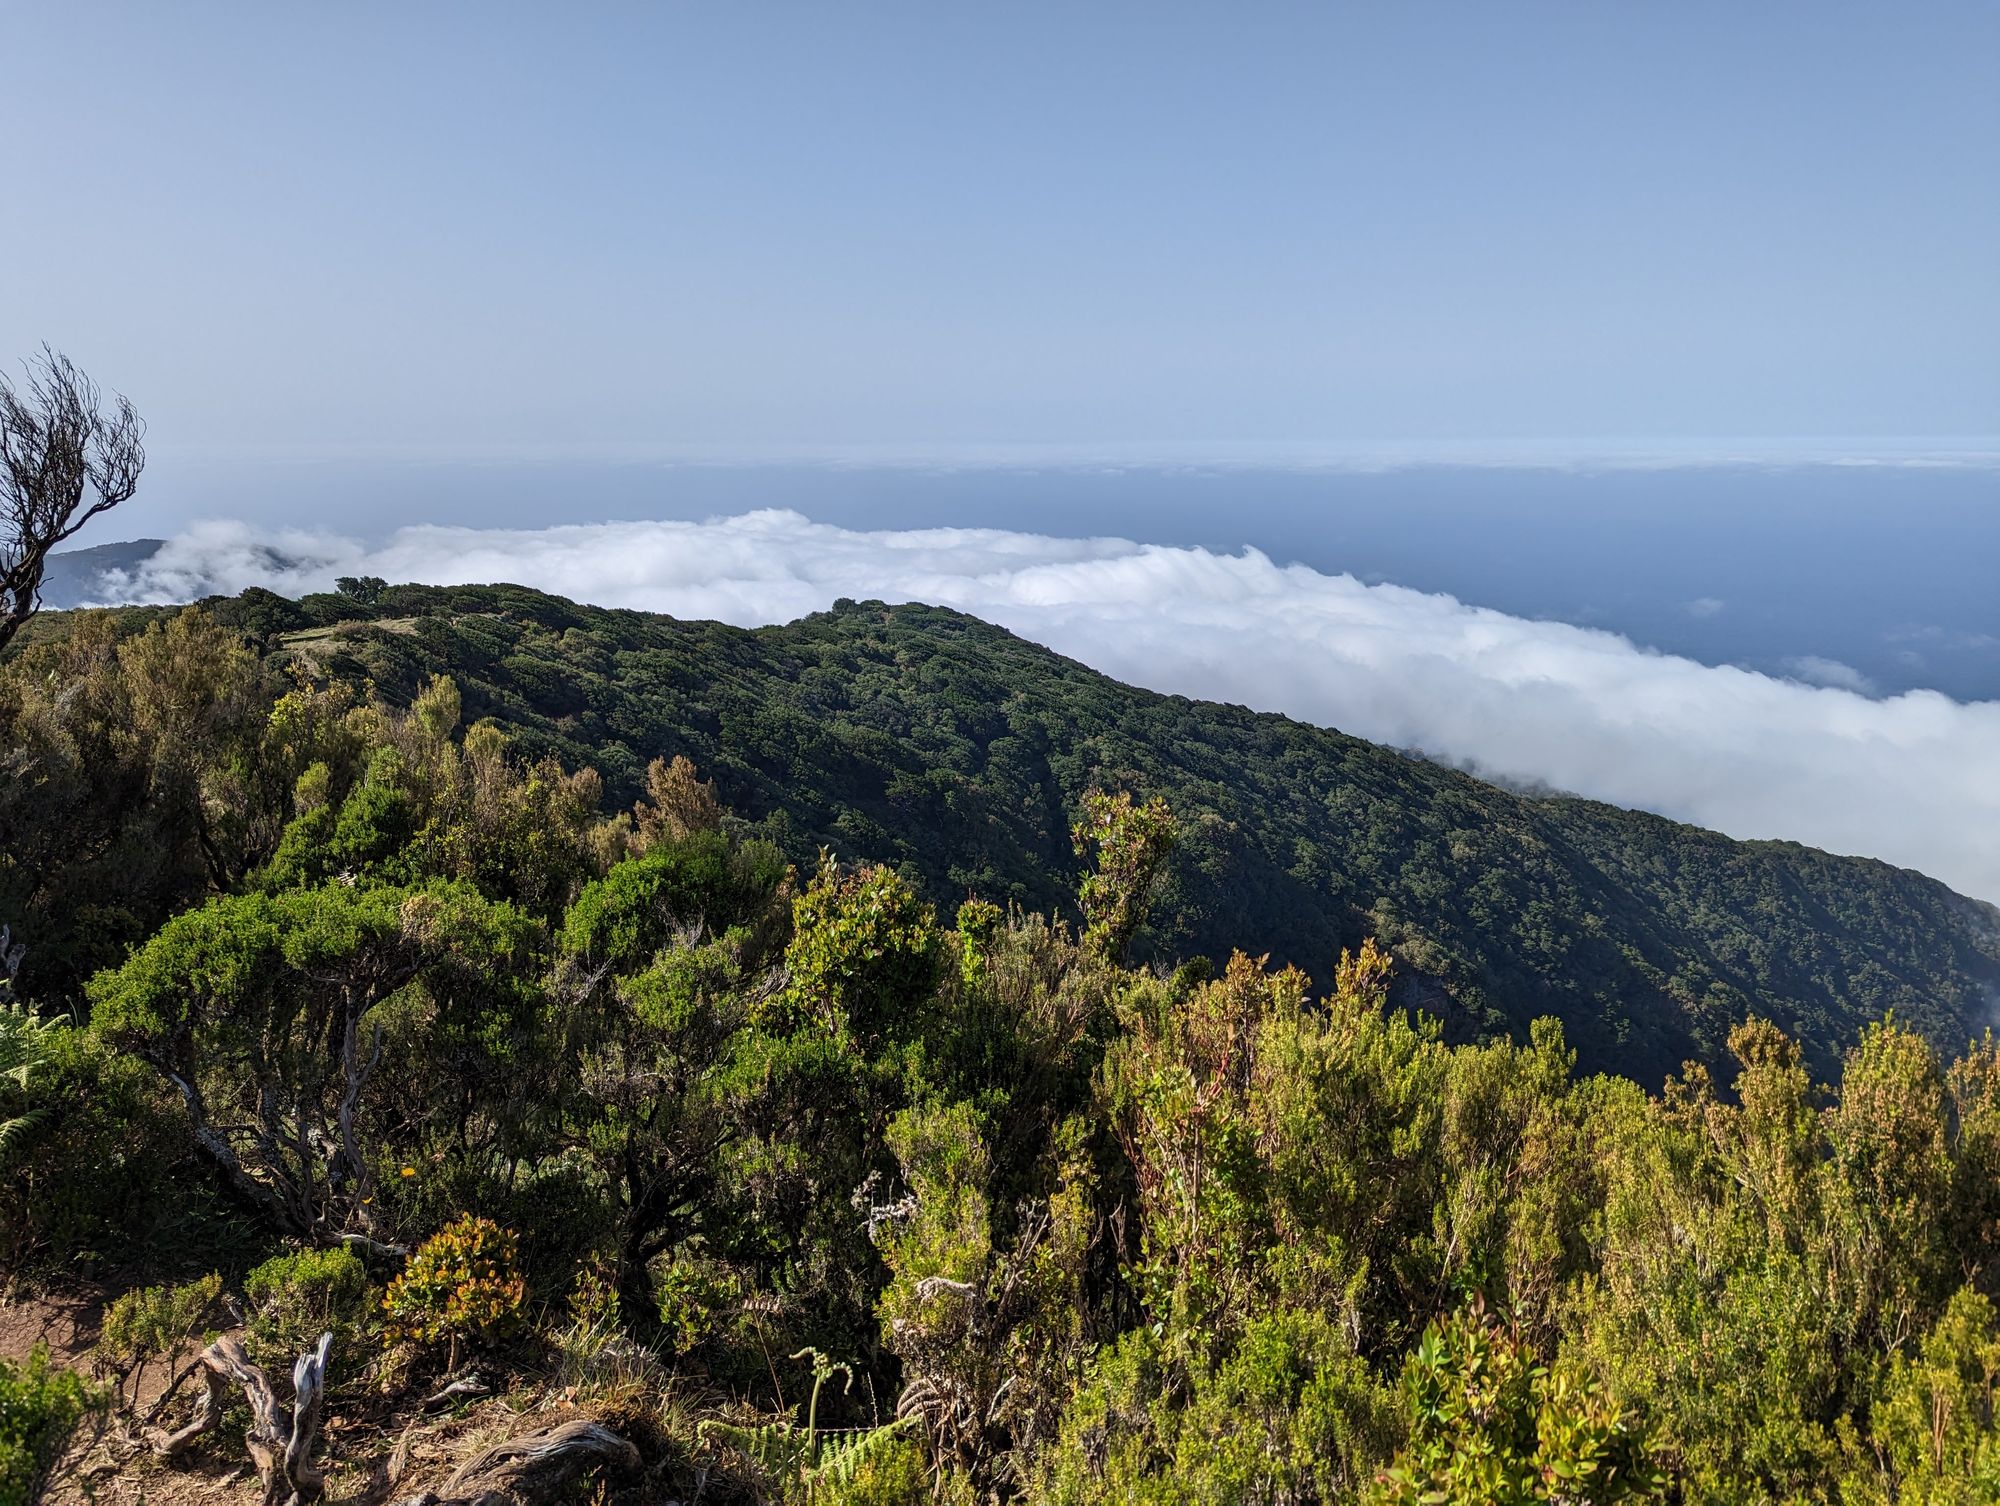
957, 753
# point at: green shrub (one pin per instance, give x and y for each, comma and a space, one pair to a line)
692, 1299
1291, 1414
295, 1298
153, 1324
865, 949
41, 1408
1489, 1423
462, 1286
108, 1171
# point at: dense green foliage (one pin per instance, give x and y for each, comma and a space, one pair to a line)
956, 753
291, 1299
41, 1407
970, 1200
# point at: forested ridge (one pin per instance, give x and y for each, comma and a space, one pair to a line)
955, 752
493, 1049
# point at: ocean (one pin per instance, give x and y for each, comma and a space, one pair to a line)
1879, 577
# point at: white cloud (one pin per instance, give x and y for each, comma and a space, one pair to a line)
1910, 778
1705, 606
1954, 640
1815, 670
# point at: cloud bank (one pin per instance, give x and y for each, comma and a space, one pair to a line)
1913, 779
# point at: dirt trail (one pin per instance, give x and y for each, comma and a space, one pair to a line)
66, 1322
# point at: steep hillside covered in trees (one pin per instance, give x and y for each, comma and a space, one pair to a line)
954, 751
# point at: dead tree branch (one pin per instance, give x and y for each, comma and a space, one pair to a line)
280, 1442
62, 462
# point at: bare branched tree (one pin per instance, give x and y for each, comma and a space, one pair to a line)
62, 462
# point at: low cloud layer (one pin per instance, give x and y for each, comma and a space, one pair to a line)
1913, 779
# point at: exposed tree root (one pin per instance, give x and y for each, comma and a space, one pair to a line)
533, 1468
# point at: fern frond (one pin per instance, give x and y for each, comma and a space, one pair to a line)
779, 1449
842, 1455
16, 1129
787, 1452
23, 1047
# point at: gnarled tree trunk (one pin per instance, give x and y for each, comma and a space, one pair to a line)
280, 1441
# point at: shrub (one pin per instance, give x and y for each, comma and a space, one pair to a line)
462, 1285
865, 949
1132, 844
41, 1407
1290, 1414
692, 1299
296, 1298
152, 1324
1489, 1423
103, 1173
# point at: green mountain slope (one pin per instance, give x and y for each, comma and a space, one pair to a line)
956, 750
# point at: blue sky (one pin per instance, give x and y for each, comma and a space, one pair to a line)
476, 227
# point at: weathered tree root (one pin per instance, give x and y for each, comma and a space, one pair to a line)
533, 1468
280, 1443
458, 1388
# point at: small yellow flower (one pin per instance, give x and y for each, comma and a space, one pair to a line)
409, 1171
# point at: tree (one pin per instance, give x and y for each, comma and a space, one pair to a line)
678, 804
1133, 843
662, 958
260, 1012
141, 771
62, 462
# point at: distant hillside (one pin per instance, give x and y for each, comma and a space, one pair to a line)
956, 751
75, 577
